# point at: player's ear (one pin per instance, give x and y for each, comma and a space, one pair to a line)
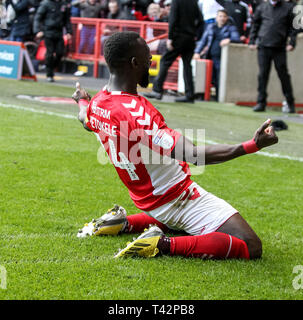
134, 62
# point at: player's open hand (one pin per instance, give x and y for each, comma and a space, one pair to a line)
80, 94
265, 136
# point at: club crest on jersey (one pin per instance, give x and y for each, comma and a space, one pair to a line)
163, 139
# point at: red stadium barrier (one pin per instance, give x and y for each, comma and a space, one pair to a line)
208, 79
89, 35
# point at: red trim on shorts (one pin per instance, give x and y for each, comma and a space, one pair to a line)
154, 202
195, 195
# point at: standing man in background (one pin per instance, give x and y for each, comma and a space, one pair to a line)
272, 26
50, 20
20, 25
184, 20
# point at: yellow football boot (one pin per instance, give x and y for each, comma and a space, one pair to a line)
111, 223
144, 246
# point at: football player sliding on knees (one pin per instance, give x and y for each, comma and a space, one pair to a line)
167, 199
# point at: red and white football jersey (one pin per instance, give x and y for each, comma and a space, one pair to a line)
139, 143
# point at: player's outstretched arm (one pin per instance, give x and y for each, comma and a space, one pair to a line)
82, 98
185, 150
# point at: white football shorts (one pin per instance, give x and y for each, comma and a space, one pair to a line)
195, 211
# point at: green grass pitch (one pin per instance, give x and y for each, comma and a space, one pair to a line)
51, 184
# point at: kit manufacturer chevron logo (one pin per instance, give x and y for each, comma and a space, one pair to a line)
153, 131
146, 121
131, 105
138, 113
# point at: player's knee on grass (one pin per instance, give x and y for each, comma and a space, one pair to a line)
254, 246
239, 228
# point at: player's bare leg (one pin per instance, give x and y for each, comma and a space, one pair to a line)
237, 226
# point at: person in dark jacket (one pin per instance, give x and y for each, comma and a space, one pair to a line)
51, 18
253, 3
217, 35
184, 19
239, 14
272, 26
21, 25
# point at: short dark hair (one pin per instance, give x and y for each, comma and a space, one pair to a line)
119, 48
222, 10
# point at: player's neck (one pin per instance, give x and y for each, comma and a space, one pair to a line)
121, 83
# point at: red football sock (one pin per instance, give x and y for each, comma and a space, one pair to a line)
138, 222
214, 245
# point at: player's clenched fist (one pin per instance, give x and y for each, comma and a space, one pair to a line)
265, 136
80, 94
83, 99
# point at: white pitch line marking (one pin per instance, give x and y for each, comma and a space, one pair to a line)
69, 116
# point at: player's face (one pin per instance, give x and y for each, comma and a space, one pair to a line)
145, 62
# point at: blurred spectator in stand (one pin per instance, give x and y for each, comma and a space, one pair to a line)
52, 17
216, 35
20, 24
157, 14
88, 9
132, 6
77, 7
239, 13
104, 11
164, 15
153, 13
299, 20
160, 3
33, 7
273, 34
253, 3
292, 2
249, 13
75, 10
4, 27
115, 12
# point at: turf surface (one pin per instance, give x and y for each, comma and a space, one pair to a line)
51, 184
